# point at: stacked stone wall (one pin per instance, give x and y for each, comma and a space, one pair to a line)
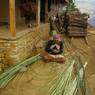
16, 50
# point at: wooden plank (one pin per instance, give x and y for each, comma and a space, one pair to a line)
12, 17
37, 12
46, 10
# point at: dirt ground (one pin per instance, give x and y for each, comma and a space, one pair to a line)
40, 76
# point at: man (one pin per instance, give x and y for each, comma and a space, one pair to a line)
54, 49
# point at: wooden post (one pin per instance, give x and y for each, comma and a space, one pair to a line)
46, 10
37, 12
51, 2
55, 2
12, 17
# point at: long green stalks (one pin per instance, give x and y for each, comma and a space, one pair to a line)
13, 70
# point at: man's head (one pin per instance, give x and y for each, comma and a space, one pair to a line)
57, 37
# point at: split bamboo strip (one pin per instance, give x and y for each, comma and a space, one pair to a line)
65, 86
72, 87
13, 70
58, 88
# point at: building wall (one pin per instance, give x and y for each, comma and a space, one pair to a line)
15, 51
4, 11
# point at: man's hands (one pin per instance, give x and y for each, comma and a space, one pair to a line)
55, 50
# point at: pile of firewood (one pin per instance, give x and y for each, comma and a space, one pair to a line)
56, 19
76, 23
57, 24
73, 22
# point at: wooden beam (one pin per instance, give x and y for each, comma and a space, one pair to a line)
12, 17
46, 10
37, 12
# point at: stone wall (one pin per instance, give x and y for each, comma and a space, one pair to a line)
16, 50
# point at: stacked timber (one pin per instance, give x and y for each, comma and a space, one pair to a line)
76, 23
57, 24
